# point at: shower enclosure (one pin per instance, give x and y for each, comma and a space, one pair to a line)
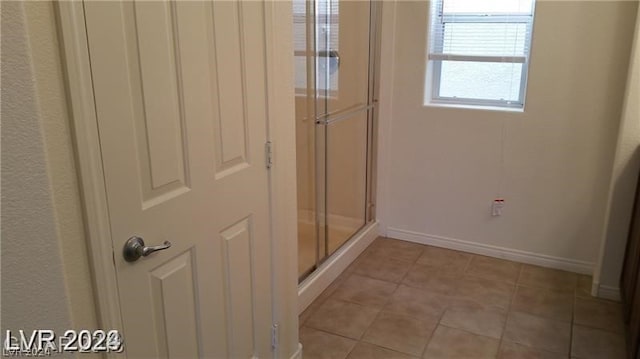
335, 71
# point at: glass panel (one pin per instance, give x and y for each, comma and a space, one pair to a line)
342, 47
305, 139
346, 177
331, 57
480, 80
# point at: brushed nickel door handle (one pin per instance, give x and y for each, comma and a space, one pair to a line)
135, 248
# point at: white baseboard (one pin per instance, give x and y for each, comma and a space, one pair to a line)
542, 260
319, 280
608, 292
298, 353
605, 291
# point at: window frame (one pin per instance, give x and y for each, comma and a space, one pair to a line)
434, 60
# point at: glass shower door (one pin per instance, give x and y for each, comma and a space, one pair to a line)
343, 97
334, 115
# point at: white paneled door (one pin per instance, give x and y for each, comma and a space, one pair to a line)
180, 99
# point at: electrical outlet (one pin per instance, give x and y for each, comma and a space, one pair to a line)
497, 206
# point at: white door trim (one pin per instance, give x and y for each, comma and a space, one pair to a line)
283, 181
281, 131
75, 49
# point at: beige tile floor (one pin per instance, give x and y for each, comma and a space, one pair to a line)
405, 300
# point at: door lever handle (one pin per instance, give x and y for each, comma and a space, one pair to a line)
134, 248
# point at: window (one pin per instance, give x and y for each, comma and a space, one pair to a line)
479, 52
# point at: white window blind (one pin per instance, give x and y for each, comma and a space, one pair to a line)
479, 50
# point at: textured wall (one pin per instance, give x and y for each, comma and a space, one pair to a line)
33, 288
444, 166
45, 268
625, 174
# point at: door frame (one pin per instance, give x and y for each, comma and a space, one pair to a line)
282, 176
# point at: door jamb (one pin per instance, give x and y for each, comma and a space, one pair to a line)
81, 103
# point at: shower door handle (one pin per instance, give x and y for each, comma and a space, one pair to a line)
331, 54
336, 55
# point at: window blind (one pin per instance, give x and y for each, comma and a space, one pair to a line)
482, 31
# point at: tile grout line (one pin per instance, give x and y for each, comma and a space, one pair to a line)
467, 331
385, 348
466, 266
413, 264
331, 333
506, 318
573, 319
382, 306
424, 351
338, 281
357, 341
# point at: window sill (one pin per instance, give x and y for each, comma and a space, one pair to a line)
474, 107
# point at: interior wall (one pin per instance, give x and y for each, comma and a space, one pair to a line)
46, 279
442, 167
624, 177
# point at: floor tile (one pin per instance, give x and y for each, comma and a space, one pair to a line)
466, 303
365, 291
393, 248
317, 344
352, 267
342, 318
589, 343
584, 286
482, 322
494, 269
597, 313
417, 303
548, 303
306, 314
510, 350
431, 278
405, 300
400, 333
445, 259
454, 343
378, 266
535, 276
538, 333
487, 292
370, 351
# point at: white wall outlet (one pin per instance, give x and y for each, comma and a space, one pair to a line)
497, 206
